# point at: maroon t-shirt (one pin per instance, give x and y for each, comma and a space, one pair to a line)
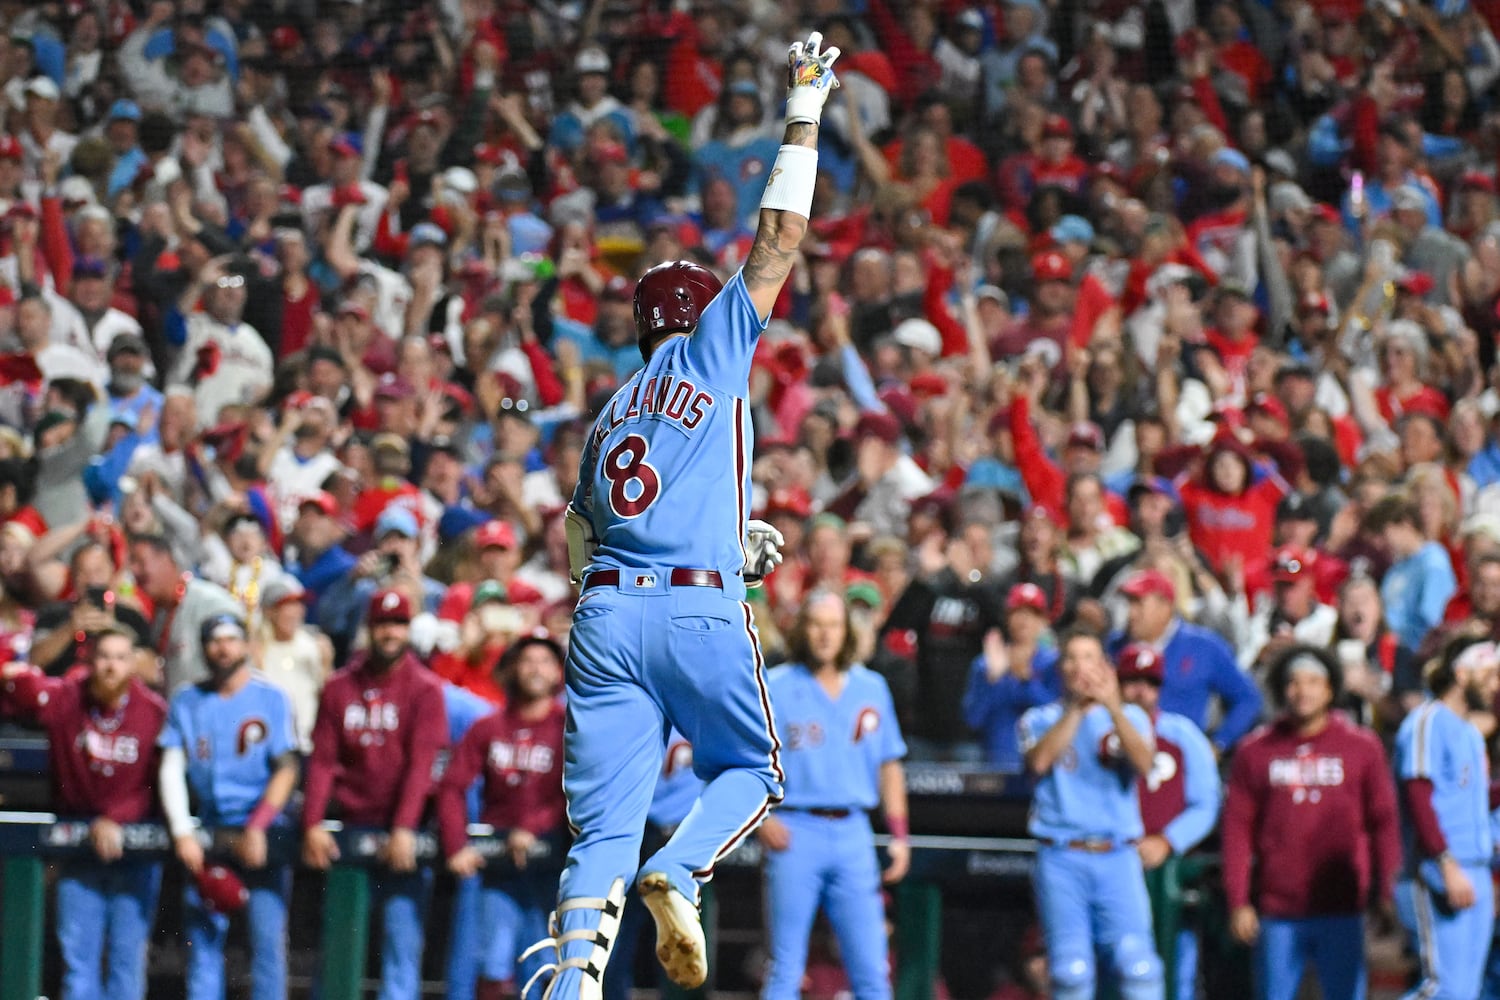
104, 761
375, 743
521, 761
1316, 817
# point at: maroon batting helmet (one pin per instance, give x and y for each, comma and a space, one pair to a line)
222, 890
670, 297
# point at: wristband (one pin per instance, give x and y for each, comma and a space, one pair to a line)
1444, 858
790, 186
898, 826
262, 816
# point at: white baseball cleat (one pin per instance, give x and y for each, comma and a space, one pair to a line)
679, 932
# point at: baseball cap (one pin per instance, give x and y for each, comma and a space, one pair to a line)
863, 592
591, 60
1295, 507
1408, 197
1139, 662
127, 343
994, 294
1051, 266
1159, 485
347, 144
389, 606
390, 442
1269, 405
396, 519
322, 500
1072, 229
878, 425
1026, 595
10, 148
221, 889
393, 387
489, 590
1149, 581
221, 626
919, 335
1415, 283
1483, 523
1040, 512
43, 87
1086, 435
793, 500
1228, 157
1292, 563
495, 535
1057, 127
124, 109
282, 590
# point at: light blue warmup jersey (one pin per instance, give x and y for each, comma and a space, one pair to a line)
832, 749
1435, 743
231, 745
1091, 790
665, 474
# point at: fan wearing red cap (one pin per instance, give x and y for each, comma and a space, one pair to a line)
1179, 798
517, 755
230, 741
1292, 614
102, 724
1197, 664
381, 723
322, 562
1014, 673
498, 549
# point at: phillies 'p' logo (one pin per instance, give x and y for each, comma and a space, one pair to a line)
868, 722
252, 731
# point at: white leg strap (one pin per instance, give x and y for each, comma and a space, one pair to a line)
602, 937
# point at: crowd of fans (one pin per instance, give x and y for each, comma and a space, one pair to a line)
1174, 319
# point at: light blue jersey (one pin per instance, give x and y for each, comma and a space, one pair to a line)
232, 745
832, 749
1436, 744
665, 475
1091, 790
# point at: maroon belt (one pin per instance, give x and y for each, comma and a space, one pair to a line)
820, 812
677, 578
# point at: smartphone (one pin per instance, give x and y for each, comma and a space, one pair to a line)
389, 563
98, 597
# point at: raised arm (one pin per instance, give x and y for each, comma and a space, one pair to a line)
787, 204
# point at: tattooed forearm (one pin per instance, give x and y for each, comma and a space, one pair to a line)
772, 254
801, 134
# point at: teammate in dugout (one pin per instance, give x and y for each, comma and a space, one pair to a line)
518, 754
1087, 751
1445, 896
658, 538
381, 723
843, 756
102, 725
1309, 834
1179, 801
231, 740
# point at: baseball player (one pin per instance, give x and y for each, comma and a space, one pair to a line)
518, 753
465, 709
102, 726
843, 756
381, 723
1445, 896
1087, 751
232, 741
677, 790
1309, 834
657, 534
1179, 798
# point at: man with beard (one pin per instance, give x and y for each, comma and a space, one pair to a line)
182, 603
1445, 895
1311, 811
949, 617
223, 359
381, 724
231, 740
1051, 315
1220, 235
102, 725
518, 752
129, 390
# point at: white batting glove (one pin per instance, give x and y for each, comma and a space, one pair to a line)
810, 79
762, 551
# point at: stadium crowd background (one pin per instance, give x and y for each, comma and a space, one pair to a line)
1171, 310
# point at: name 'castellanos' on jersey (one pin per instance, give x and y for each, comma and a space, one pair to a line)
666, 448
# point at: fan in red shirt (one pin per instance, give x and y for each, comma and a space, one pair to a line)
391, 457
1053, 164
1309, 834
499, 552
1231, 504
1403, 364
1233, 335
1220, 236
518, 754
487, 630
